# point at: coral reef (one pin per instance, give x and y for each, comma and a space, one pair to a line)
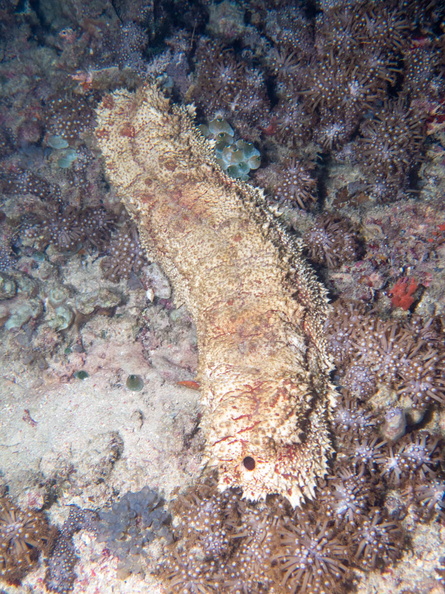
229, 87
291, 182
369, 351
338, 108
124, 255
68, 118
331, 241
224, 544
390, 144
386, 469
383, 456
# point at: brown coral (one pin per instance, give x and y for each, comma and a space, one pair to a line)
377, 541
331, 241
391, 142
370, 351
229, 87
311, 557
23, 536
124, 255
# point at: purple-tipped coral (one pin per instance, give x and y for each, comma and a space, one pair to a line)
227, 87
377, 542
347, 499
331, 241
124, 255
391, 143
292, 182
69, 117
311, 557
60, 574
368, 349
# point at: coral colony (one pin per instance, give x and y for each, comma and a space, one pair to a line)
320, 124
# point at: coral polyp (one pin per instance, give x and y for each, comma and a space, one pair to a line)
312, 558
24, 536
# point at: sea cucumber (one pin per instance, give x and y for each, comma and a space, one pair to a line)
259, 310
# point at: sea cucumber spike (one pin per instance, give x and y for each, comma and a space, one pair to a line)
259, 310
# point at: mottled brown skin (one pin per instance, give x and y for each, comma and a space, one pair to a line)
259, 311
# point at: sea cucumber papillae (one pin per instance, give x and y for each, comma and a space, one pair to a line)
259, 311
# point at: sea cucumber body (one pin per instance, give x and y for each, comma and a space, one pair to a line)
259, 311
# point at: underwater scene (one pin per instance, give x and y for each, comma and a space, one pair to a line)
222, 296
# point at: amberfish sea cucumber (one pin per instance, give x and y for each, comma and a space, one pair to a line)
258, 308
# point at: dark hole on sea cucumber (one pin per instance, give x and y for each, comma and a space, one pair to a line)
249, 463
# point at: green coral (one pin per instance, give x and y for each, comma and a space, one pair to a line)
236, 157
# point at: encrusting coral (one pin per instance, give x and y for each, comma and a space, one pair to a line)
60, 574
259, 311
